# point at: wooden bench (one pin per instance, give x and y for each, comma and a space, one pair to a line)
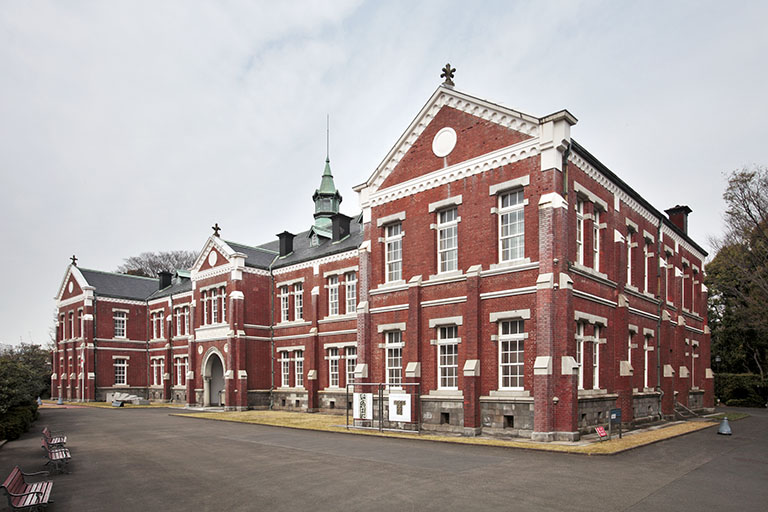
59, 457
27, 496
55, 439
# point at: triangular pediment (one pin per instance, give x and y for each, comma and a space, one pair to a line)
479, 127
72, 285
222, 254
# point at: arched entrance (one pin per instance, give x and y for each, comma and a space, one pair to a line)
213, 380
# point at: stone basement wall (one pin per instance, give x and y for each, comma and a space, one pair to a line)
179, 396
645, 407
696, 400
258, 399
333, 402
288, 400
507, 418
434, 411
101, 393
594, 411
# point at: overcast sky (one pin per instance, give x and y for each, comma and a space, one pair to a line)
134, 126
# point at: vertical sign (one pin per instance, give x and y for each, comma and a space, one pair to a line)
399, 407
362, 406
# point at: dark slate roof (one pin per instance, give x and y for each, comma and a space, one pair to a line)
178, 285
258, 257
122, 286
634, 195
302, 251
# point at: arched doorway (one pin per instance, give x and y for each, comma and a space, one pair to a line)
213, 377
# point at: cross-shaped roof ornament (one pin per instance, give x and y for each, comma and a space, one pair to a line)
447, 73
216, 229
74, 260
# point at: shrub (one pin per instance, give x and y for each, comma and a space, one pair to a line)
17, 421
741, 389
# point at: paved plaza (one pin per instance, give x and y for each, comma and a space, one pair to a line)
147, 459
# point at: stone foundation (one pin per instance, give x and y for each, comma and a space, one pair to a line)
442, 414
503, 417
594, 410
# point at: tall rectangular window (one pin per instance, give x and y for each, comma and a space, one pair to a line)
298, 301
298, 368
350, 290
511, 226
205, 308
333, 367
333, 295
447, 240
350, 354
394, 347
177, 317
596, 240
646, 363
580, 231
629, 258
580, 352
121, 371
285, 371
223, 295
646, 260
63, 330
80, 323
511, 354
181, 370
285, 304
158, 369
71, 324
629, 348
448, 357
214, 306
186, 320
596, 359
119, 318
394, 252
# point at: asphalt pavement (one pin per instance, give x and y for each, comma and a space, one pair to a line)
146, 459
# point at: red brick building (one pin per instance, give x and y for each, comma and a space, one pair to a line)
497, 271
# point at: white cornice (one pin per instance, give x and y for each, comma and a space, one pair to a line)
668, 232
121, 301
71, 300
320, 261
495, 159
257, 271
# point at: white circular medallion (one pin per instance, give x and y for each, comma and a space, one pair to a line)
226, 347
199, 349
444, 142
70, 287
212, 258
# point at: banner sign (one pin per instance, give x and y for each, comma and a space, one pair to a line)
362, 406
400, 407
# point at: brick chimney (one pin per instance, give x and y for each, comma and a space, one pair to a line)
165, 279
340, 226
678, 215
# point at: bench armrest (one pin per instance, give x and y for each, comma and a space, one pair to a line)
13, 494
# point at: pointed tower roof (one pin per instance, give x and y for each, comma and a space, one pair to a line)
327, 200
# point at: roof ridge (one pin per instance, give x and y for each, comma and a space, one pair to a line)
116, 273
252, 246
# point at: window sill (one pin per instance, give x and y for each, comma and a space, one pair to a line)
337, 318
299, 323
389, 287
444, 394
445, 277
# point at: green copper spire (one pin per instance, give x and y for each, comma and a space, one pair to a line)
327, 199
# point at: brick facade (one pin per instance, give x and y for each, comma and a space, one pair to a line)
502, 276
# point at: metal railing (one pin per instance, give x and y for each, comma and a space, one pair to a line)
380, 387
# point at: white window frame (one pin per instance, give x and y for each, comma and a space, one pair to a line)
285, 304
596, 240
510, 216
448, 232
646, 357
181, 363
350, 292
333, 367
80, 322
393, 252
120, 322
394, 352
223, 295
516, 344
213, 295
646, 260
158, 369
579, 231
186, 320
71, 325
333, 295
350, 357
298, 301
204, 297
285, 371
580, 352
298, 368
448, 357
121, 371
629, 257
177, 314
596, 359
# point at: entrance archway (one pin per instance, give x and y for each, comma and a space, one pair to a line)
213, 380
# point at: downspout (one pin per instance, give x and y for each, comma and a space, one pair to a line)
663, 299
148, 361
272, 335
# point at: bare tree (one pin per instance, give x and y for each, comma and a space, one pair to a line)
738, 275
149, 264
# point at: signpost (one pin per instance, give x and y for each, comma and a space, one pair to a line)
615, 418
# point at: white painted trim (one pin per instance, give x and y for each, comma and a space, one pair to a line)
505, 186
389, 219
340, 344
508, 293
581, 189
514, 314
289, 349
290, 282
443, 203
320, 261
399, 326
386, 309
592, 319
340, 271
337, 333
442, 302
448, 320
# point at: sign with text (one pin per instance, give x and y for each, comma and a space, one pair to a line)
601, 432
615, 415
399, 407
362, 406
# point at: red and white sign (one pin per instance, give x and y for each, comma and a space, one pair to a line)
601, 432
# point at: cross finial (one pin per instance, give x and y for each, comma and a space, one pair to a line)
74, 260
447, 73
216, 229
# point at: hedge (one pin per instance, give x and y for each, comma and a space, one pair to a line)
741, 389
17, 421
